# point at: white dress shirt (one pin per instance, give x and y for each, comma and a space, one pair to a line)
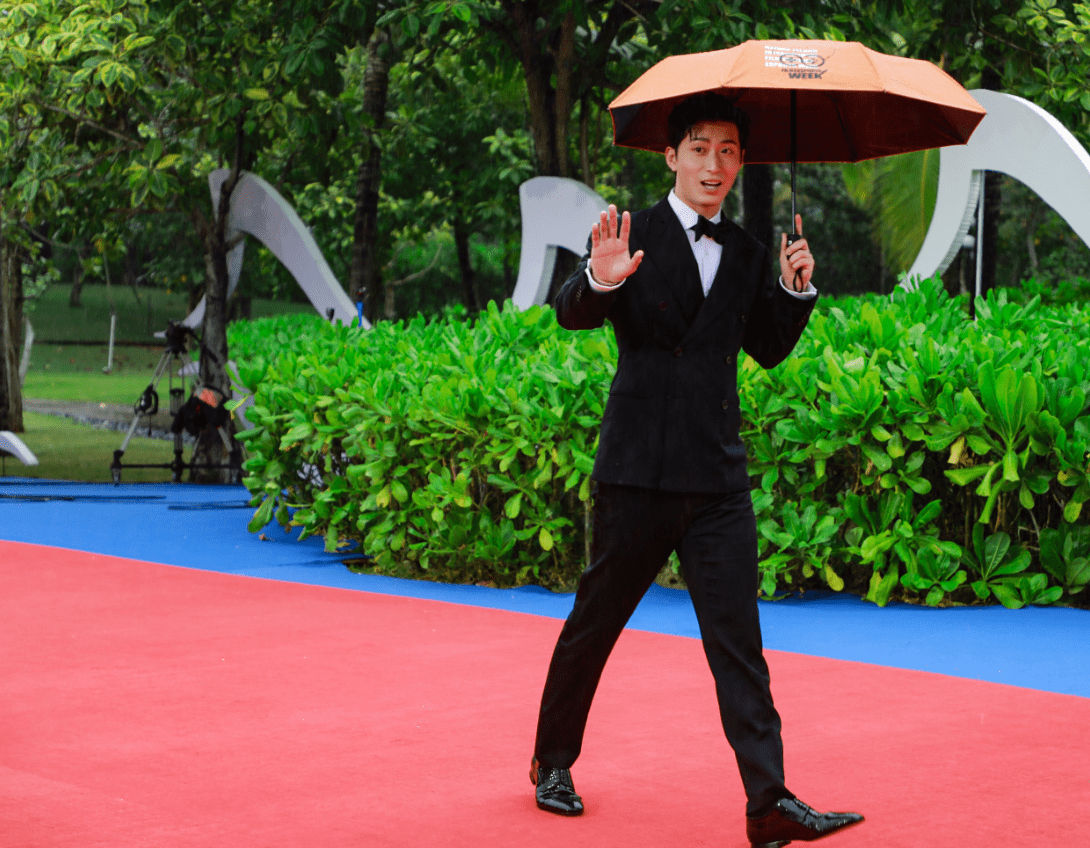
706, 250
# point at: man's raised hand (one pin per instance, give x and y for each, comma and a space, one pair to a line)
610, 263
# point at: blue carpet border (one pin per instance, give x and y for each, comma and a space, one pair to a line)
204, 527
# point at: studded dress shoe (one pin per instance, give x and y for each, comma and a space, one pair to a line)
791, 819
555, 791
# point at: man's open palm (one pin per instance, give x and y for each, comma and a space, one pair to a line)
610, 262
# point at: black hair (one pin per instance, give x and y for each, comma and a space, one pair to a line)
705, 106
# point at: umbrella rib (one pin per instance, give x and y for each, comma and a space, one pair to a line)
878, 74
852, 151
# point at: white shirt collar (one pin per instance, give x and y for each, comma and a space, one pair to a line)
686, 214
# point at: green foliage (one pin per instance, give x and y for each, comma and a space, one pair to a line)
445, 447
850, 259
1065, 554
803, 542
902, 452
900, 192
1038, 252
1060, 38
885, 403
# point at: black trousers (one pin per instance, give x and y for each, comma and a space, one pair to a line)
715, 536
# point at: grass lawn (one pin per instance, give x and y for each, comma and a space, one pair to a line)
70, 451
53, 319
74, 372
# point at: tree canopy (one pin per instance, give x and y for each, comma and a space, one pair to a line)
114, 112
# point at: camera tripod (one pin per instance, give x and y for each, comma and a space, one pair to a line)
188, 416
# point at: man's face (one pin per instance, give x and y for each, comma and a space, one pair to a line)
706, 163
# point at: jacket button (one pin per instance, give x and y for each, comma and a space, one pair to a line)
729, 358
743, 318
726, 404
662, 306
677, 352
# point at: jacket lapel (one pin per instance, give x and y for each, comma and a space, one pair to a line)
668, 249
729, 283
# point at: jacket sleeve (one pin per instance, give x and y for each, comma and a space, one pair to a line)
578, 306
774, 323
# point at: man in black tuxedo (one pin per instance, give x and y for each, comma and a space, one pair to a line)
685, 291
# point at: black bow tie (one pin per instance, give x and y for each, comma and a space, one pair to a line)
704, 227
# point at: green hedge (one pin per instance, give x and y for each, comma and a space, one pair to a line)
903, 451
461, 449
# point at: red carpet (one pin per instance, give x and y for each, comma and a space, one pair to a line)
147, 705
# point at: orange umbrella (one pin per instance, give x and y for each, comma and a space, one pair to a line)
851, 103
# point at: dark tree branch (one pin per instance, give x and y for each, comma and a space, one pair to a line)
45, 239
417, 274
85, 120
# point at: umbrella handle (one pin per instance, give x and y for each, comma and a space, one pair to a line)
791, 239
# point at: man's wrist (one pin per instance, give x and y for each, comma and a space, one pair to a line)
602, 282
808, 292
599, 285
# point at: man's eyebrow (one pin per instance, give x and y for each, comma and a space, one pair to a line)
696, 138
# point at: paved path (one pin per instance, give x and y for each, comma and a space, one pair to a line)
110, 416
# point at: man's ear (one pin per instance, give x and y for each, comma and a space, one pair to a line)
671, 159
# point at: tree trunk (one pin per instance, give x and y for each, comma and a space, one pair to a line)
584, 141
993, 183
77, 278
757, 205
210, 448
196, 292
465, 267
241, 307
389, 307
11, 322
537, 70
993, 204
548, 65
555, 77
564, 102
1031, 238
364, 275
134, 263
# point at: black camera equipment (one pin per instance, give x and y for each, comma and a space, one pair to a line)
203, 411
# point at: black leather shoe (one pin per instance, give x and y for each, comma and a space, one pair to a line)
792, 819
555, 791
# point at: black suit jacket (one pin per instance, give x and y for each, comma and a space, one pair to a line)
672, 418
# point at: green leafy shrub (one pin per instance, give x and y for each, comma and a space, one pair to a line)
918, 430
903, 451
1056, 292
456, 449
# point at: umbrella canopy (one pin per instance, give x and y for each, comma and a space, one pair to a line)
853, 103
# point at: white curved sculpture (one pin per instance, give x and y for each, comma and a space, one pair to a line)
12, 445
258, 209
556, 212
1017, 138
